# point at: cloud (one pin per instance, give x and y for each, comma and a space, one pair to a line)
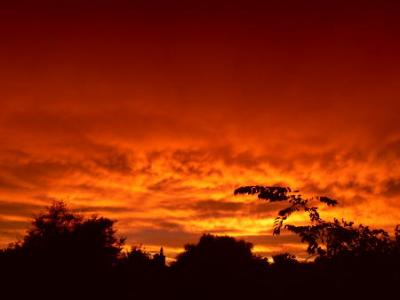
100, 209
115, 162
25, 209
215, 206
162, 237
40, 173
391, 187
11, 230
185, 191
7, 184
169, 184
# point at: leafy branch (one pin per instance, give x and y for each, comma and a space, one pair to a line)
295, 200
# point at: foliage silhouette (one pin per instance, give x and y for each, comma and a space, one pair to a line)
66, 256
59, 236
62, 249
219, 266
218, 255
325, 239
347, 257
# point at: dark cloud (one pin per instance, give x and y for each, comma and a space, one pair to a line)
169, 225
217, 206
223, 230
162, 237
389, 151
336, 188
39, 173
169, 184
391, 187
271, 240
12, 235
260, 209
100, 209
115, 162
25, 209
8, 184
195, 160
12, 225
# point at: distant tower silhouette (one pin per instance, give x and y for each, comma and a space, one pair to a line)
159, 258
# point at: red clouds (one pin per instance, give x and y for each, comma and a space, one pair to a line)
164, 109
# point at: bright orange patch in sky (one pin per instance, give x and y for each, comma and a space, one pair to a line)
153, 113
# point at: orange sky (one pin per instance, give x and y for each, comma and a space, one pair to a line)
152, 113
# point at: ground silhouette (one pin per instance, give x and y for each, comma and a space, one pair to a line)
66, 256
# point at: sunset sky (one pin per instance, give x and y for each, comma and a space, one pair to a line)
153, 112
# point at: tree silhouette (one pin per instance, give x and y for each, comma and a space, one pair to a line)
218, 257
62, 251
222, 254
325, 239
59, 236
218, 267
